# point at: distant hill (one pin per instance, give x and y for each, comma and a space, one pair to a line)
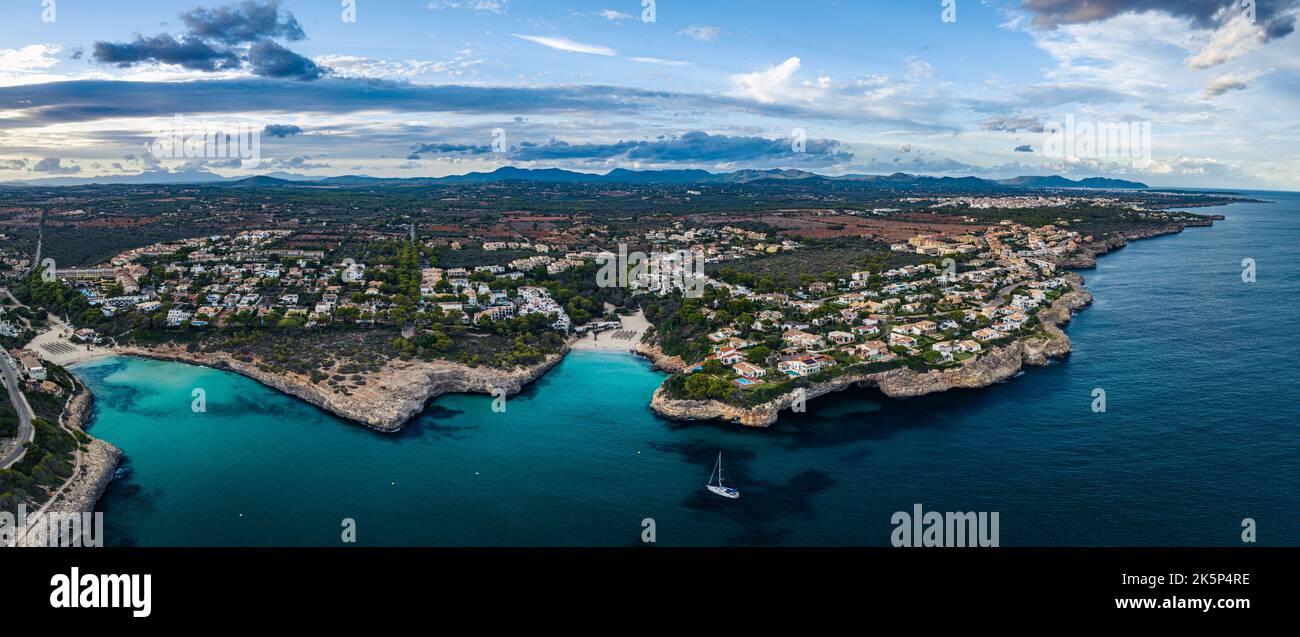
1057, 181
159, 177
616, 176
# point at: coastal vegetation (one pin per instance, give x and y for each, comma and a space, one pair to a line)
47, 463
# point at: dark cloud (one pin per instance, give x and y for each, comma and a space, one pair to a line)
1024, 148
1279, 27
1273, 15
89, 100
269, 59
246, 22
211, 43
297, 162
445, 148
13, 164
190, 53
281, 130
55, 165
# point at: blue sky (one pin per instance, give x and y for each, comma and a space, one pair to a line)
418, 87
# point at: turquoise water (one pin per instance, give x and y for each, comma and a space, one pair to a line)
1200, 371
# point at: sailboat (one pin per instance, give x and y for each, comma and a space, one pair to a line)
720, 488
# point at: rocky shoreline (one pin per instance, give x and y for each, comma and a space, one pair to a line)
1087, 256
99, 460
393, 395
997, 365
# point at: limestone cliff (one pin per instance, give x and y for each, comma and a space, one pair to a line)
660, 360
99, 460
996, 365
390, 397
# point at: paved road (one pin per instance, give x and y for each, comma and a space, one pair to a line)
16, 397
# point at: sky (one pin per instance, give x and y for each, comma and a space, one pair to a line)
1197, 93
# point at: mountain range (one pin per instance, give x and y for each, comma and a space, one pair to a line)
616, 176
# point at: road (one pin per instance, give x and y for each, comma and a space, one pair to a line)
25, 431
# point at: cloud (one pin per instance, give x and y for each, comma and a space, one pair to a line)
768, 85
213, 43
281, 130
690, 147
54, 165
1013, 124
1229, 82
13, 164
245, 22
694, 148
565, 44
297, 162
190, 53
33, 57
91, 100
364, 67
269, 59
1237, 38
616, 16
701, 32
1273, 15
659, 61
1024, 148
477, 6
1238, 26
444, 148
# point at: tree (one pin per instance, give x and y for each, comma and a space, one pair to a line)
703, 386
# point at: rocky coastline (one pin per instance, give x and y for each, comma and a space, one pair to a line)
658, 359
99, 460
1086, 258
393, 395
995, 366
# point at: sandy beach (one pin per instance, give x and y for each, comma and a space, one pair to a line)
623, 339
56, 346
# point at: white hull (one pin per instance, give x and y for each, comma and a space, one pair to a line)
724, 491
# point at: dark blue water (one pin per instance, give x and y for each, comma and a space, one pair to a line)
1199, 370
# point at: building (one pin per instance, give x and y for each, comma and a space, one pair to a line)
805, 364
29, 363
840, 338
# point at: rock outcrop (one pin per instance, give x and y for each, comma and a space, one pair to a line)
993, 366
659, 360
99, 460
390, 397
